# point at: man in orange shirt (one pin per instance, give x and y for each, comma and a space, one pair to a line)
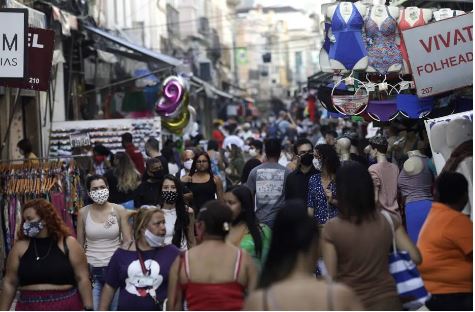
446, 245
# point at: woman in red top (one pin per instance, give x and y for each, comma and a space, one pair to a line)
213, 275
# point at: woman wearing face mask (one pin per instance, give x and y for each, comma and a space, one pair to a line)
321, 186
179, 219
140, 269
100, 161
101, 228
213, 275
46, 264
246, 232
201, 181
148, 193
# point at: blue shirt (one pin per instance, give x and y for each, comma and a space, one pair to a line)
318, 201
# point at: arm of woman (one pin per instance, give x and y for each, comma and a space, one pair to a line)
125, 229
251, 271
10, 281
219, 187
174, 290
330, 257
78, 260
81, 237
106, 297
191, 228
254, 301
403, 242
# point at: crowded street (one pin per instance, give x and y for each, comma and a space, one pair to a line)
234, 155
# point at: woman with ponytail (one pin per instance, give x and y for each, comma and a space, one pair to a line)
140, 269
179, 219
213, 275
246, 232
287, 281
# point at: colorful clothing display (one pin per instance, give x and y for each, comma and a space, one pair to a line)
403, 25
381, 43
323, 211
382, 110
348, 38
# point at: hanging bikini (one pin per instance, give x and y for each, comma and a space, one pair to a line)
383, 110
352, 104
381, 43
324, 95
348, 47
410, 106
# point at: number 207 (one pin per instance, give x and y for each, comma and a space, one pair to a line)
427, 90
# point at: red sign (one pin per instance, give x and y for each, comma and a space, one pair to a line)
40, 56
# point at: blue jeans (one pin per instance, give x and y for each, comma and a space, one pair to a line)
98, 275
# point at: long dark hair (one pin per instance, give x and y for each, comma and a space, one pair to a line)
329, 158
244, 195
355, 193
294, 232
195, 159
182, 218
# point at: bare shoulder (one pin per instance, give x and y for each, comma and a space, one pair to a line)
254, 301
345, 298
216, 179
185, 179
20, 247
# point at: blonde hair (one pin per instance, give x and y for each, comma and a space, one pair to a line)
142, 217
128, 178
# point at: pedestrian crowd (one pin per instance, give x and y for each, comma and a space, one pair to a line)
270, 214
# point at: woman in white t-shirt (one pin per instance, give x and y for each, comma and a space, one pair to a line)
179, 218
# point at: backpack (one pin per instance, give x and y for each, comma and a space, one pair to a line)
274, 131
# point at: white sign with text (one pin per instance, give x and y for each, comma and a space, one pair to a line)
13, 42
441, 55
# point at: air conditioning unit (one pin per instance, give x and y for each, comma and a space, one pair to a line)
204, 26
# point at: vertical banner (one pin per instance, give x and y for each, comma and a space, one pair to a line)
13, 42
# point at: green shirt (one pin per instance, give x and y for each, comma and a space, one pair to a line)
247, 243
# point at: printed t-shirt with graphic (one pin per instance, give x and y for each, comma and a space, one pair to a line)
267, 182
136, 291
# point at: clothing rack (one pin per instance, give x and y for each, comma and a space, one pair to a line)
58, 158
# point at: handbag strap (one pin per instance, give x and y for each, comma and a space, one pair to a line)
391, 224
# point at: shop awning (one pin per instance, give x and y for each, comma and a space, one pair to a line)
135, 48
210, 88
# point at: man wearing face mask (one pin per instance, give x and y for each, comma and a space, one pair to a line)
100, 162
296, 185
187, 158
255, 151
148, 193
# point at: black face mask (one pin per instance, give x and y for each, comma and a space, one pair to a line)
306, 159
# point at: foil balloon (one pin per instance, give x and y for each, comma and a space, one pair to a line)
181, 107
189, 127
176, 125
173, 91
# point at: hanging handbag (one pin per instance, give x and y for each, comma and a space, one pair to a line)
410, 285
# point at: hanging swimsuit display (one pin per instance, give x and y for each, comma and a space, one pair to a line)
353, 104
403, 25
385, 110
381, 43
324, 60
324, 95
410, 106
348, 47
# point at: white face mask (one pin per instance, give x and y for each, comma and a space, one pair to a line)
154, 240
253, 152
100, 196
246, 148
187, 164
317, 164
227, 154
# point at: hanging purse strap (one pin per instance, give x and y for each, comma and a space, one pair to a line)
391, 224
145, 271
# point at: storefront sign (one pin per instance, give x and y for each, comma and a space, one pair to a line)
13, 42
79, 140
441, 55
40, 55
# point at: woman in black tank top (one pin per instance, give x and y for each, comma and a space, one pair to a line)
46, 264
202, 183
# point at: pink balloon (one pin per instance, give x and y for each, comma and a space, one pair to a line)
173, 92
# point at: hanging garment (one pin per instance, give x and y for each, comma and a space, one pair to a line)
381, 43
349, 47
403, 25
350, 104
413, 107
58, 200
382, 110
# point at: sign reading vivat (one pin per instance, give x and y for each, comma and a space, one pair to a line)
13, 42
441, 54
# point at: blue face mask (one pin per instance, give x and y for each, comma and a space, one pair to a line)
32, 228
